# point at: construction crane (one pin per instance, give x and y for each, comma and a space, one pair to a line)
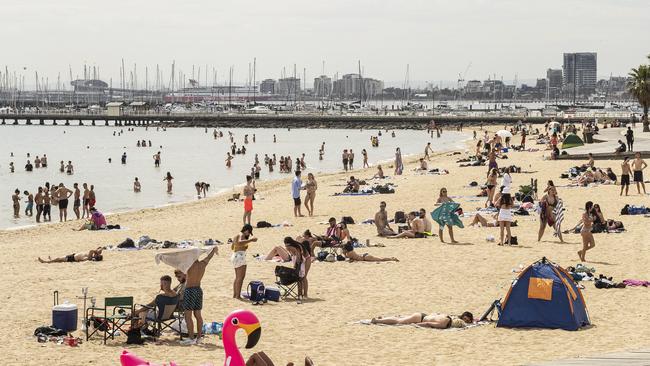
461, 78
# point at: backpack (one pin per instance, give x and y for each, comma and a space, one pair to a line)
400, 217
256, 291
624, 210
133, 336
321, 256
263, 224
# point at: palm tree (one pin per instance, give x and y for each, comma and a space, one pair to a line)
639, 86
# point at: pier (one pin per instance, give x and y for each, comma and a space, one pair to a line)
234, 120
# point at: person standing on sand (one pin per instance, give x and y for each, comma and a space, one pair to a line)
63, 194
443, 198
588, 241
193, 298
637, 167
625, 176
77, 200
311, 186
47, 205
238, 259
169, 179
92, 199
86, 202
296, 186
399, 166
249, 191
629, 137
426, 151
15, 198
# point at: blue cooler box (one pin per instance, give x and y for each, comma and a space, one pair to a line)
272, 294
64, 317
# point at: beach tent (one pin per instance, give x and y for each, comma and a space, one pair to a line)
544, 296
572, 140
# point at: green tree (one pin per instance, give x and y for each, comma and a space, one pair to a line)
639, 86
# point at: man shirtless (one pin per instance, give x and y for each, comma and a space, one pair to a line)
86, 199
77, 200
415, 230
426, 223
637, 167
193, 297
94, 255
381, 221
426, 151
249, 191
38, 200
156, 159
63, 194
625, 175
15, 198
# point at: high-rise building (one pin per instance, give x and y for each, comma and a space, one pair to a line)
353, 86
322, 86
267, 86
288, 86
554, 77
580, 70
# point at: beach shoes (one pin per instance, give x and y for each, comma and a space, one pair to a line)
188, 342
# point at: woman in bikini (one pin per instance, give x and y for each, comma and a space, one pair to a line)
310, 186
238, 259
348, 252
505, 217
588, 241
546, 207
169, 178
435, 320
491, 184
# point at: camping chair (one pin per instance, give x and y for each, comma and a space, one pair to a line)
286, 278
165, 314
114, 316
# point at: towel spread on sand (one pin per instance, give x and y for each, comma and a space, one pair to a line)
181, 260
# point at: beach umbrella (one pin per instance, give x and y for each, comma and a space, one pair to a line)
446, 215
504, 133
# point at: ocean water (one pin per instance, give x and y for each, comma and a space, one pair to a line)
189, 154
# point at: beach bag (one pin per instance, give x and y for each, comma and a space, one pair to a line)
624, 210
400, 217
513, 240
321, 256
272, 294
287, 275
263, 224
347, 220
133, 336
128, 243
385, 189
49, 331
256, 291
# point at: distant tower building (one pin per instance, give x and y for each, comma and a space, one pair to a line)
554, 77
580, 69
322, 86
267, 86
288, 86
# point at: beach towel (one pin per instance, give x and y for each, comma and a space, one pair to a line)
446, 215
630, 282
558, 213
181, 260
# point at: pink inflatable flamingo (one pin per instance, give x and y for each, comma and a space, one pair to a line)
129, 359
239, 319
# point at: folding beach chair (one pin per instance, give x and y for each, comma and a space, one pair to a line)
287, 278
165, 314
112, 317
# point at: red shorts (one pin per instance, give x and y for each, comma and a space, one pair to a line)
248, 204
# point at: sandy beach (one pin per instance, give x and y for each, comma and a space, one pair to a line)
430, 276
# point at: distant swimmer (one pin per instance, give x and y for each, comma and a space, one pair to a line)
169, 179
136, 185
156, 159
228, 160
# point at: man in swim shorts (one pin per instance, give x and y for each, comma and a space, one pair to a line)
296, 186
193, 297
63, 194
94, 255
381, 221
77, 200
637, 169
249, 191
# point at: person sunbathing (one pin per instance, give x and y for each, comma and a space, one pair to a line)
437, 321
481, 221
348, 252
379, 174
261, 359
415, 230
94, 255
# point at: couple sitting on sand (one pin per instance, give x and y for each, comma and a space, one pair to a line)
418, 226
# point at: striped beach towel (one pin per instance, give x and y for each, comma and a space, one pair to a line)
558, 213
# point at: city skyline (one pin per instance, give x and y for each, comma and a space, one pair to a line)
438, 40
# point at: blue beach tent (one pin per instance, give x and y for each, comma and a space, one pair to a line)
544, 296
